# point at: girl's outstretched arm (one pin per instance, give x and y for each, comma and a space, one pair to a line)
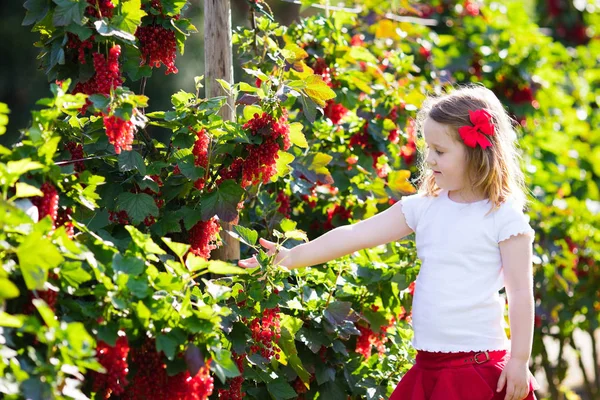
384, 227
516, 253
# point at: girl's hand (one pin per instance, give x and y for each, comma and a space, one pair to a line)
516, 375
282, 258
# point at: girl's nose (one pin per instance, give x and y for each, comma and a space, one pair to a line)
429, 160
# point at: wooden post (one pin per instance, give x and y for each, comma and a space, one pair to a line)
218, 63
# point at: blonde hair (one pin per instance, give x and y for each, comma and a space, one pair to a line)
494, 171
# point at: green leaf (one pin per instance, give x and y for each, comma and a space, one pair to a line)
324, 373
138, 286
257, 74
26, 190
178, 248
144, 241
224, 268
280, 389
14, 169
128, 265
105, 29
245, 87
80, 341
289, 326
182, 98
167, 345
318, 90
332, 390
130, 17
132, 67
360, 53
195, 263
249, 112
223, 366
190, 216
169, 342
48, 149
36, 11
146, 182
216, 291
22, 166
309, 109
8, 290
287, 224
198, 82
189, 169
57, 55
169, 222
74, 274
297, 235
10, 321
282, 164
137, 205
337, 312
292, 53
36, 389
222, 202
172, 7
4, 111
109, 333
142, 312
296, 135
99, 101
245, 235
46, 312
130, 160
224, 84
296, 363
68, 11
83, 32
213, 105
36, 256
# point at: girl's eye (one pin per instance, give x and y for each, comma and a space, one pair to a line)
439, 152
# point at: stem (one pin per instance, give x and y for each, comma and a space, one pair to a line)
264, 3
561, 348
548, 370
253, 22
212, 178
334, 286
97, 6
82, 159
595, 356
169, 149
586, 380
143, 85
148, 141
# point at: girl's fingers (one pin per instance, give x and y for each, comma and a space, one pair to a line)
266, 243
501, 381
248, 262
510, 392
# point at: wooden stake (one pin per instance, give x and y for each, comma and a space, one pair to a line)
218, 62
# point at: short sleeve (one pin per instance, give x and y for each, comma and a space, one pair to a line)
411, 209
512, 221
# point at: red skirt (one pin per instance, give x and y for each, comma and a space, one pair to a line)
446, 376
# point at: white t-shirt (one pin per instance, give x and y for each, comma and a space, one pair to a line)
456, 305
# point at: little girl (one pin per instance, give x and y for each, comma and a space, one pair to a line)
472, 238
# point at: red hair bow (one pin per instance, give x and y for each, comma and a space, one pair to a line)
473, 135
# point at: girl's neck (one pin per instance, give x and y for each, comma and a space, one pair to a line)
462, 196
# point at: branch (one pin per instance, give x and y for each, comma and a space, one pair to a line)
82, 159
358, 10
